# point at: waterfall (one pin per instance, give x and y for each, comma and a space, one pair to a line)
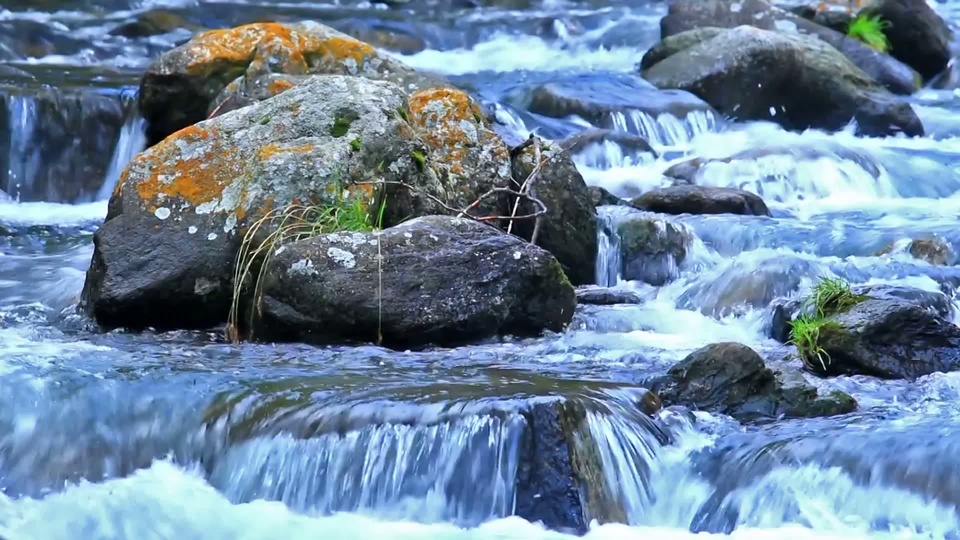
132, 141
22, 161
665, 129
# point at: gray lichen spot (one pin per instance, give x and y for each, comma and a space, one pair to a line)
303, 267
342, 257
212, 236
192, 230
162, 212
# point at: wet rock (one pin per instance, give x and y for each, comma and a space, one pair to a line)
547, 487
701, 200
834, 20
469, 158
179, 88
604, 296
796, 81
893, 333
569, 228
686, 15
387, 35
152, 23
599, 98
56, 143
628, 143
671, 45
250, 89
732, 379
651, 249
936, 250
441, 280
602, 197
166, 254
918, 36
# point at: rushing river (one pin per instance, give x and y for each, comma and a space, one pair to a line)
182, 436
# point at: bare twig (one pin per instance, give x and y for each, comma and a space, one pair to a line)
532, 177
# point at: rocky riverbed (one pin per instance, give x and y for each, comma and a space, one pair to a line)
262, 272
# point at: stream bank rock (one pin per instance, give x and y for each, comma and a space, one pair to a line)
569, 228
796, 81
918, 36
166, 254
892, 333
432, 280
684, 15
181, 87
701, 200
733, 379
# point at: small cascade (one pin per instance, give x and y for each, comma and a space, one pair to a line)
462, 470
22, 164
665, 129
609, 264
133, 140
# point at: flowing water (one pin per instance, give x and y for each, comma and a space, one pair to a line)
180, 435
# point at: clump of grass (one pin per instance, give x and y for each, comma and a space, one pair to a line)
285, 225
829, 296
870, 30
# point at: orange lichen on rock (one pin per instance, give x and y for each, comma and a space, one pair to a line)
341, 49
195, 180
270, 150
450, 122
279, 86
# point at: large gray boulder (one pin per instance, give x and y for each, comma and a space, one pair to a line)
686, 15
166, 254
794, 80
918, 36
733, 379
432, 280
181, 87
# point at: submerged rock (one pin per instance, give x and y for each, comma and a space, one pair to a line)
432, 280
701, 200
651, 249
166, 255
935, 250
732, 379
152, 23
602, 99
180, 88
630, 144
605, 296
918, 36
684, 15
796, 81
891, 332
569, 228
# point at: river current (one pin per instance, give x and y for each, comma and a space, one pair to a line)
180, 435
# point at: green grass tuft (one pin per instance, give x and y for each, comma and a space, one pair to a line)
870, 30
829, 297
805, 336
285, 225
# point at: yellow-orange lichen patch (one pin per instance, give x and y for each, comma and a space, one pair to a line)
270, 150
243, 44
345, 48
278, 86
440, 113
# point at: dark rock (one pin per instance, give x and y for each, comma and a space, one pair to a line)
547, 488
888, 336
651, 249
918, 36
599, 97
569, 228
629, 143
671, 45
701, 200
602, 197
837, 21
796, 81
152, 23
165, 256
604, 296
177, 90
442, 280
686, 15
732, 379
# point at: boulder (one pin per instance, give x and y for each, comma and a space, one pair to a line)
569, 228
431, 280
651, 249
796, 81
180, 88
701, 200
918, 36
892, 333
686, 15
605, 296
838, 21
671, 45
603, 98
166, 254
732, 379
